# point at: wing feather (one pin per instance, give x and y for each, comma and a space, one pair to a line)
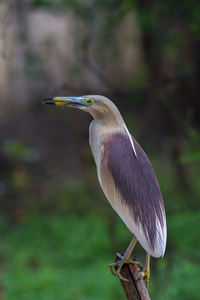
130, 185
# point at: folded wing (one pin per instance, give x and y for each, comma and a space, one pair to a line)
131, 187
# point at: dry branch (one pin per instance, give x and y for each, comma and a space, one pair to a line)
134, 288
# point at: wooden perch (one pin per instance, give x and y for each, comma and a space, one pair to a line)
134, 288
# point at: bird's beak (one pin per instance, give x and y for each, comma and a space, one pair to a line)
64, 101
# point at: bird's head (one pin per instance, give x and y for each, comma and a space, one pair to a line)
98, 106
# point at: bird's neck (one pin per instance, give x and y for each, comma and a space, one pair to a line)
103, 126
107, 121
108, 118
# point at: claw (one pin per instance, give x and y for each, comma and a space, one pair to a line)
121, 277
115, 264
146, 275
119, 263
111, 268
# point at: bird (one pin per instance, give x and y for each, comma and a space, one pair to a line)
126, 177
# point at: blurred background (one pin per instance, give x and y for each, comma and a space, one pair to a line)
58, 233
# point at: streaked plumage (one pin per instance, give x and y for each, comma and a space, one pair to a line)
124, 171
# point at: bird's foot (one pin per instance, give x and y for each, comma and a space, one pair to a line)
146, 275
119, 264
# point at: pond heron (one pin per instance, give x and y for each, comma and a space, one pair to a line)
126, 177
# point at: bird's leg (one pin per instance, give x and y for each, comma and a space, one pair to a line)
124, 259
146, 271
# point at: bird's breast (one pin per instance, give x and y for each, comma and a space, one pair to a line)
99, 135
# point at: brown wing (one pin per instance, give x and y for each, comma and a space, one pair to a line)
137, 187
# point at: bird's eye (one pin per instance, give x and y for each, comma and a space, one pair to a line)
89, 101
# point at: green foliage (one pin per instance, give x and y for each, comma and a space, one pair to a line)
19, 150
48, 256
182, 225
45, 3
54, 257
193, 151
68, 194
179, 278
